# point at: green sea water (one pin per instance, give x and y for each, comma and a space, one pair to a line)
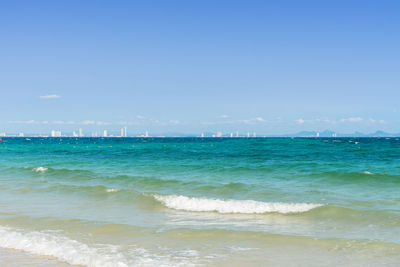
201, 201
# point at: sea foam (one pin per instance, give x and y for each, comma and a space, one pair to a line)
64, 249
40, 169
61, 248
111, 190
232, 206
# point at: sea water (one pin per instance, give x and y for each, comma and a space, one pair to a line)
200, 201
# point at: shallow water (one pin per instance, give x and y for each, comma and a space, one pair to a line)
194, 201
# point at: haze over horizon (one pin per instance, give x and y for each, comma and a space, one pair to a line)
192, 67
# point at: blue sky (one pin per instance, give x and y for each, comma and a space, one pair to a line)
193, 66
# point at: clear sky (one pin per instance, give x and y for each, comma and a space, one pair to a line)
193, 66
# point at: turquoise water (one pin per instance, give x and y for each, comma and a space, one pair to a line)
202, 201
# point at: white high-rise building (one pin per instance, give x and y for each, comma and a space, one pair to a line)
105, 133
219, 134
317, 134
254, 134
21, 134
74, 134
237, 134
147, 134
202, 135
80, 132
55, 133
125, 133
3, 135
248, 134
231, 135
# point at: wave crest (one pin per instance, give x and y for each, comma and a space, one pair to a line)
40, 169
54, 244
61, 248
111, 190
232, 206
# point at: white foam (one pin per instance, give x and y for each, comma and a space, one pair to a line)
61, 248
40, 169
232, 206
367, 172
64, 249
110, 190
235, 249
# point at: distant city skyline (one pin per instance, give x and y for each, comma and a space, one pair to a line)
123, 133
200, 66
348, 125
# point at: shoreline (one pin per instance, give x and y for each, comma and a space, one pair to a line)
14, 257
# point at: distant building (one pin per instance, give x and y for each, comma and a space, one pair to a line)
219, 134
105, 133
317, 134
147, 134
237, 134
21, 134
248, 134
3, 135
254, 134
231, 135
74, 134
55, 133
80, 132
125, 133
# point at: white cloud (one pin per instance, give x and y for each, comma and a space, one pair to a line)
259, 119
352, 119
246, 121
224, 116
26, 122
102, 123
49, 96
322, 120
343, 120
249, 121
88, 122
60, 122
174, 122
377, 121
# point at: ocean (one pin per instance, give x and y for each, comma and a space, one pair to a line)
200, 202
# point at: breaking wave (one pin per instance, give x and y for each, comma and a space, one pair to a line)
232, 206
40, 169
61, 248
64, 249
